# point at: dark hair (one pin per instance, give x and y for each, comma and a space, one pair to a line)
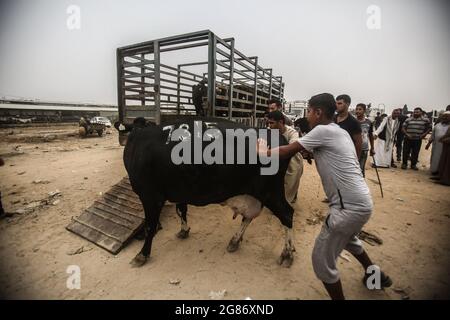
344, 97
276, 115
448, 108
276, 101
362, 105
418, 108
325, 102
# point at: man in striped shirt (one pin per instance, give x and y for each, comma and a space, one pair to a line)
415, 129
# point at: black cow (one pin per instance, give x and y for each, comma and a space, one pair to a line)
156, 179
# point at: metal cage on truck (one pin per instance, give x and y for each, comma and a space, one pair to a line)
238, 88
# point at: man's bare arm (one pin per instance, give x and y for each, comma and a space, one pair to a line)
287, 151
426, 132
372, 148
357, 140
283, 152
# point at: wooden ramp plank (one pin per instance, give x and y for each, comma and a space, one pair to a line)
124, 214
122, 203
96, 237
110, 222
127, 212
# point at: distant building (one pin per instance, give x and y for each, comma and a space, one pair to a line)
17, 111
296, 107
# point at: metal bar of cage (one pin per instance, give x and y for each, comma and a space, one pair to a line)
230, 89
212, 65
255, 84
157, 81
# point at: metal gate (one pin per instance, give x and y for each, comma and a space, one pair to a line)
237, 86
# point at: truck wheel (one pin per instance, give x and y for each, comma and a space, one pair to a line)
100, 132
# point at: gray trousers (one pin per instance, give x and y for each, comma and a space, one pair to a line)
339, 232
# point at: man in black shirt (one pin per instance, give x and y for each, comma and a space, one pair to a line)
400, 135
347, 122
199, 91
274, 105
378, 120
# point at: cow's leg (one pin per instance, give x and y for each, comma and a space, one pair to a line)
152, 211
282, 209
182, 213
247, 206
287, 255
233, 245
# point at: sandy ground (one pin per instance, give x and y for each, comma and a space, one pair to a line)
36, 250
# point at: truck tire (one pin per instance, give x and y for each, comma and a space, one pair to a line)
100, 133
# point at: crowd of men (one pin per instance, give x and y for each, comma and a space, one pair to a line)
340, 145
379, 139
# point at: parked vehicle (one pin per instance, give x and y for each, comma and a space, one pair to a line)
89, 126
104, 120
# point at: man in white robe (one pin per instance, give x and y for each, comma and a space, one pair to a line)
439, 130
385, 137
294, 172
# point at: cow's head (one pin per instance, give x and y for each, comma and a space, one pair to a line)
124, 129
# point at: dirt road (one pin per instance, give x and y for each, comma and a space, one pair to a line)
413, 220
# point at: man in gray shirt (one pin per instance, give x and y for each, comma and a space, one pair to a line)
350, 202
415, 129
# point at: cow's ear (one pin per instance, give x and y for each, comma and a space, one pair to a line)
116, 125
123, 127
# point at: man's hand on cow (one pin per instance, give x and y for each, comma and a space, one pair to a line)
261, 147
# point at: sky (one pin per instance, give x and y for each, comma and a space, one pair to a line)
396, 55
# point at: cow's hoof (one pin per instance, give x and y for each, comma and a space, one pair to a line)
138, 261
183, 234
233, 245
286, 259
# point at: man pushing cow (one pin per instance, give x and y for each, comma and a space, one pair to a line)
350, 202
